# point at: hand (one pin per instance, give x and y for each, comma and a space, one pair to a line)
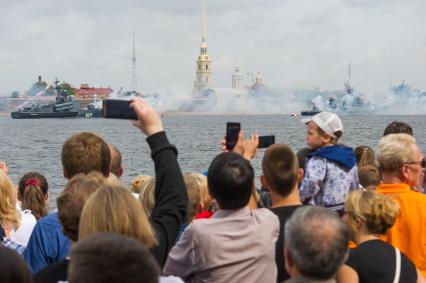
149, 122
3, 167
238, 148
250, 146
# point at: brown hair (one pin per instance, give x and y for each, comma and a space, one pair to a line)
113, 209
369, 175
364, 156
85, 152
279, 166
377, 211
194, 195
9, 215
398, 128
33, 188
71, 200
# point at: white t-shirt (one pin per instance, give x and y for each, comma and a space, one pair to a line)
23, 233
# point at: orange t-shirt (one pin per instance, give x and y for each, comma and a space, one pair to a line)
409, 231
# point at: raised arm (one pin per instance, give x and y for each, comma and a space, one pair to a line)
171, 197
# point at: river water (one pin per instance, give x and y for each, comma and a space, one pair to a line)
35, 145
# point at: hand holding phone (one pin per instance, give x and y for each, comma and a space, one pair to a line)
266, 141
118, 108
232, 131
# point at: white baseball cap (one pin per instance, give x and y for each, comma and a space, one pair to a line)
326, 121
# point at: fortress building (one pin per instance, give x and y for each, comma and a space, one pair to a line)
203, 74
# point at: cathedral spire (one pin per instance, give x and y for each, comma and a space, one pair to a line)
203, 73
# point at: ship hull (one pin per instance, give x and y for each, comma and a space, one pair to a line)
309, 113
94, 113
40, 115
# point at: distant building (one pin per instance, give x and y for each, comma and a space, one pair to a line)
237, 81
86, 91
202, 78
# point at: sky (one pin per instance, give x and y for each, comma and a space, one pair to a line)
293, 43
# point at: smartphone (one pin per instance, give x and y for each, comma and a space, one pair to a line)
232, 131
266, 141
118, 108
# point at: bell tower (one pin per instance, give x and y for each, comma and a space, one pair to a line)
203, 72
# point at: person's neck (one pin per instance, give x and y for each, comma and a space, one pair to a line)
389, 178
364, 236
292, 199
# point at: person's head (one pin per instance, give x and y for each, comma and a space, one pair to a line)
398, 128
116, 165
281, 171
13, 268
139, 182
9, 216
369, 175
108, 257
33, 194
369, 210
194, 195
316, 242
147, 195
71, 200
324, 129
400, 157
83, 153
201, 182
230, 180
364, 156
113, 209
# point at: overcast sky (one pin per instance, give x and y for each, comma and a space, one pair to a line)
293, 43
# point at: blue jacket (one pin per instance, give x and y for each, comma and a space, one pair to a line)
47, 244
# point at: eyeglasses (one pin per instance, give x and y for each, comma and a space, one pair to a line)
422, 163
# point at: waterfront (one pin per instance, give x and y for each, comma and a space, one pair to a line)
35, 145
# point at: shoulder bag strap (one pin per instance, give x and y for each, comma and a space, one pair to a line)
398, 266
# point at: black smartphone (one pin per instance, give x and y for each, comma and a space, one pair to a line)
266, 141
118, 108
232, 131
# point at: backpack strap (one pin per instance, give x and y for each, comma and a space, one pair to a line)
398, 266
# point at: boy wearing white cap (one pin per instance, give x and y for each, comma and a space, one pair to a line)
331, 171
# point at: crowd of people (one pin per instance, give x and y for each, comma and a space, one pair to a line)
326, 213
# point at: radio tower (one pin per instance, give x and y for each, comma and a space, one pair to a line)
134, 66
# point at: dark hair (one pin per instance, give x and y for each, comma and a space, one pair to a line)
398, 128
302, 155
13, 267
85, 152
107, 257
317, 240
71, 201
33, 188
230, 180
115, 165
279, 166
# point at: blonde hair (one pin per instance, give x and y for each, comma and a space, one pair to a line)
113, 209
193, 183
147, 195
364, 156
9, 215
377, 211
139, 183
394, 151
369, 175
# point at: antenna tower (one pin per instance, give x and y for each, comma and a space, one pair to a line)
134, 65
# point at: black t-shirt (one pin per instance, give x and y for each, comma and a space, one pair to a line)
375, 262
283, 214
53, 273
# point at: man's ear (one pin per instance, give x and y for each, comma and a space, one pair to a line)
300, 174
264, 183
288, 261
120, 171
404, 172
66, 175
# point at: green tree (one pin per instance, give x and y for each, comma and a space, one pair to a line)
68, 88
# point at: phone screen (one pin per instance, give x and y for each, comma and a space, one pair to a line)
266, 141
232, 131
118, 108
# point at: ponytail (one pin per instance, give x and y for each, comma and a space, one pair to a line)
364, 156
33, 189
